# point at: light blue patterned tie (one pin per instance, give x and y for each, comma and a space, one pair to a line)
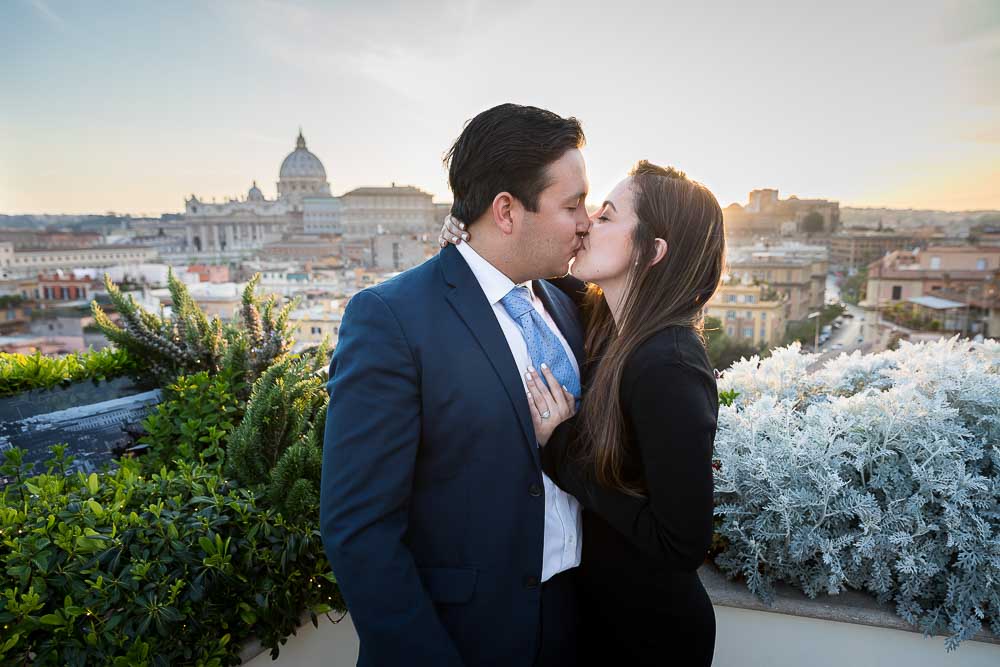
543, 345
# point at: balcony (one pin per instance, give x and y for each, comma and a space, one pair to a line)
855, 503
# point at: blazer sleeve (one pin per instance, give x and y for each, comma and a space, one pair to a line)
370, 447
673, 420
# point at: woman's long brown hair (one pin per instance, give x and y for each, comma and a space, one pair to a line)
672, 292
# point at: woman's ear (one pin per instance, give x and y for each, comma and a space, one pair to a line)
661, 251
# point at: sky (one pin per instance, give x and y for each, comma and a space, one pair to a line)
133, 106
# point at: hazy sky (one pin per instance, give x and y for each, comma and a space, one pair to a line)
132, 106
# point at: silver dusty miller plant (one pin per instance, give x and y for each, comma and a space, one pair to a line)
878, 472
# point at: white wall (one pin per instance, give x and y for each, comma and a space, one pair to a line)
744, 638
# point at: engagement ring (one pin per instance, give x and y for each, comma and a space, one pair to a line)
546, 414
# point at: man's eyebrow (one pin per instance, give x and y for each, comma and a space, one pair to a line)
611, 204
576, 198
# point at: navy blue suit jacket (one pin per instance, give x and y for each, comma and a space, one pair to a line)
430, 512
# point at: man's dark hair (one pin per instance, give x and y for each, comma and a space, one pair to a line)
507, 149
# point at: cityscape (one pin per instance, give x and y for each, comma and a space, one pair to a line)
875, 276
192, 194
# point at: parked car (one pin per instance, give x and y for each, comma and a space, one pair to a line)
861, 339
837, 346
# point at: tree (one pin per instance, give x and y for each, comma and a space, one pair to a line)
854, 288
813, 223
723, 351
804, 331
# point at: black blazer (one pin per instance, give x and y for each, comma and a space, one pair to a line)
669, 399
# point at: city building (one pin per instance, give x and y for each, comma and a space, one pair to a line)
801, 279
396, 209
851, 250
15, 314
398, 252
303, 208
242, 224
29, 261
317, 322
767, 215
969, 275
749, 313
48, 240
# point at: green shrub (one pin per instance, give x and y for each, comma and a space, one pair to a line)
178, 567
194, 419
188, 342
279, 443
24, 372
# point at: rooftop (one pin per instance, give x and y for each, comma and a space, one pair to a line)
935, 302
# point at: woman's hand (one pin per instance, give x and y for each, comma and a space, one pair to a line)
550, 405
452, 231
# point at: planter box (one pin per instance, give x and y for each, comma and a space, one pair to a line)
87, 416
847, 630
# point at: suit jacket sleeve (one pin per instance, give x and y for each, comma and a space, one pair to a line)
370, 448
673, 421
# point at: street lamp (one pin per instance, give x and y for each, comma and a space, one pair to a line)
811, 316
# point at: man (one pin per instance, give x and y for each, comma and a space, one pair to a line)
450, 545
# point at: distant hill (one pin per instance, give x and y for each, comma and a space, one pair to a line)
953, 222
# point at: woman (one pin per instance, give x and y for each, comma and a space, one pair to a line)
638, 456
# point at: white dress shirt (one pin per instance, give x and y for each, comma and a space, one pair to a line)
561, 549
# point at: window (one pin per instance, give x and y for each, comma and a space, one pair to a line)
730, 314
748, 332
729, 331
897, 292
763, 317
730, 298
981, 264
935, 262
750, 298
763, 332
749, 314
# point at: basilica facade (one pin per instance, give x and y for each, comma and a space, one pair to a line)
304, 205
250, 222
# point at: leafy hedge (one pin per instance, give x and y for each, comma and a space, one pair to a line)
129, 568
878, 472
24, 372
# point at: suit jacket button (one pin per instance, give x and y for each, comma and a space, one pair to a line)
531, 581
535, 490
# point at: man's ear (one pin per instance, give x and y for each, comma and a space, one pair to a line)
661, 251
504, 212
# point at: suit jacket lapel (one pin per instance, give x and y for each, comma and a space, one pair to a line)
468, 300
565, 317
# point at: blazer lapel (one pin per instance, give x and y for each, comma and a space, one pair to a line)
468, 300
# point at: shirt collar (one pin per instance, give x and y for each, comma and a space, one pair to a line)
495, 284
